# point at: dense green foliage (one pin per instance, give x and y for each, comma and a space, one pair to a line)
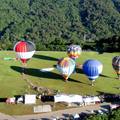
53, 24
113, 115
98, 117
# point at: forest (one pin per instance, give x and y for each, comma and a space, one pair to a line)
55, 24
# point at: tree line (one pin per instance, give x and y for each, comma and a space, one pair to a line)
54, 24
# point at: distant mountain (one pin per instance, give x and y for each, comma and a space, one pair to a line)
53, 24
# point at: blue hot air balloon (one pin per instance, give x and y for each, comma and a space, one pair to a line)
92, 68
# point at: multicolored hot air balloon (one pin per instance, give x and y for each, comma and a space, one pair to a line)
74, 51
24, 50
66, 66
92, 68
116, 65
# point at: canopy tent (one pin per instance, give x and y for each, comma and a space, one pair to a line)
68, 98
29, 99
91, 100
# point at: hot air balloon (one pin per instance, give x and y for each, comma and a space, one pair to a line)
66, 66
24, 51
92, 68
74, 51
116, 65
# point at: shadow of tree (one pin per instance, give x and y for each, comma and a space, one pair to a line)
38, 73
109, 97
104, 93
44, 57
3, 99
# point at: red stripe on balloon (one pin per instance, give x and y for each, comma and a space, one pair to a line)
21, 47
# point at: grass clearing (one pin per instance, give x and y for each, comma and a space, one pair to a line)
11, 82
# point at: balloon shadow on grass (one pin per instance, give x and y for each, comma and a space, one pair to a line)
105, 76
44, 57
38, 73
78, 70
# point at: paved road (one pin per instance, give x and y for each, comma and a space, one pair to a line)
6, 117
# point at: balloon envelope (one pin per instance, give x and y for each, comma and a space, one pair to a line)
116, 64
66, 66
92, 68
24, 50
74, 51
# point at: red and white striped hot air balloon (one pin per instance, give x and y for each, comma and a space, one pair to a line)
24, 50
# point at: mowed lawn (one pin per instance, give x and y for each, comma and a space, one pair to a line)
12, 83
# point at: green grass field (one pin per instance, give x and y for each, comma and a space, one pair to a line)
12, 83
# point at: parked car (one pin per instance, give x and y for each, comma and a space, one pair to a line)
83, 115
114, 106
99, 112
105, 111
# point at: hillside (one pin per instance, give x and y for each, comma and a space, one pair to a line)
53, 24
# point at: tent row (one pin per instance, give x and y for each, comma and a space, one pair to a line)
59, 98
72, 98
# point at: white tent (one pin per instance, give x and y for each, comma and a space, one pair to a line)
29, 99
68, 98
91, 100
